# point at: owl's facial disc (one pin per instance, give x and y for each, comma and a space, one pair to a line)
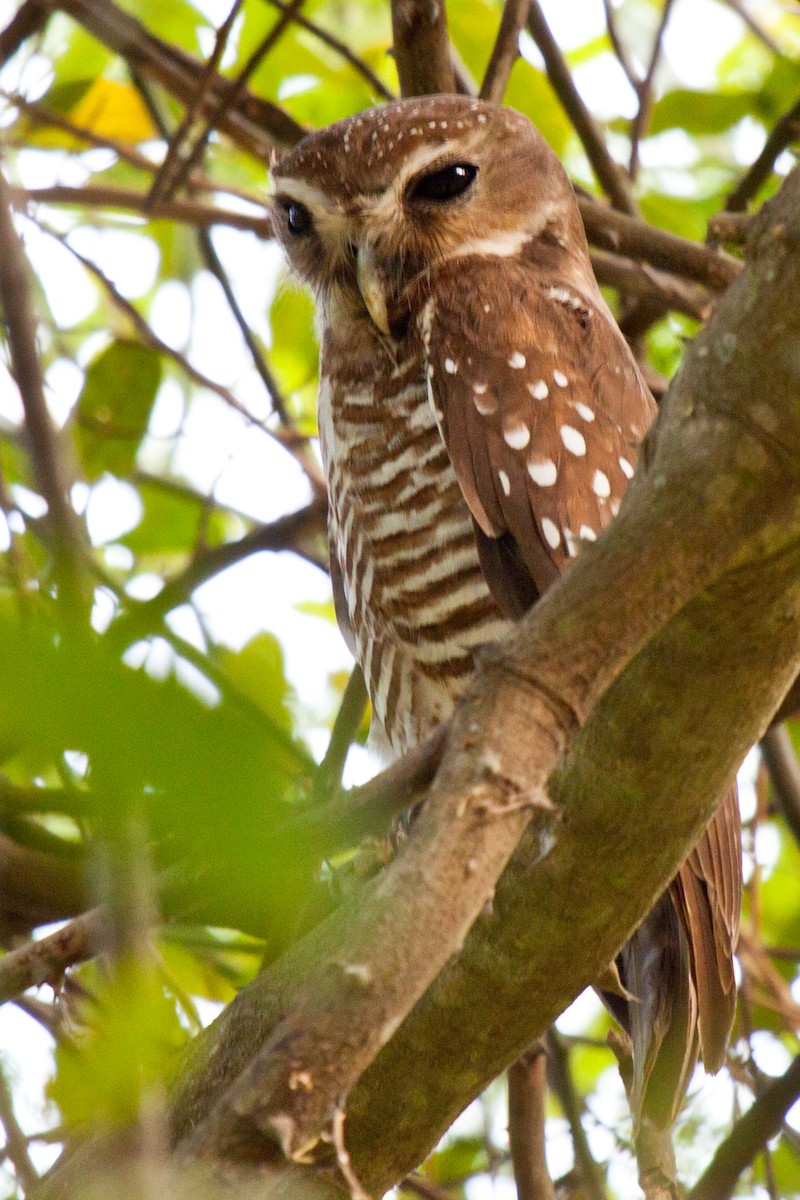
370, 208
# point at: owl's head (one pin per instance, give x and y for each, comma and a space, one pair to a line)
367, 208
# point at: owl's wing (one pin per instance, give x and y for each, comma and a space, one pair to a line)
541, 407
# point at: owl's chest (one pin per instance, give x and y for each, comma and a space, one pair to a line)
416, 600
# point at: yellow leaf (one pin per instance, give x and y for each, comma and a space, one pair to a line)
114, 110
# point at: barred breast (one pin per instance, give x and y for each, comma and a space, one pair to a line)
416, 600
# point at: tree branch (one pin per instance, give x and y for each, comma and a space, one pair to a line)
256, 124
611, 176
30, 18
190, 212
748, 1137
41, 436
422, 47
364, 69
638, 279
644, 90
784, 774
176, 166
505, 51
591, 1176
527, 1111
623, 234
786, 130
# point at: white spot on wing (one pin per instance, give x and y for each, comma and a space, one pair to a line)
543, 471
450, 366
485, 404
584, 411
517, 361
587, 533
560, 378
517, 436
600, 485
505, 482
538, 390
551, 534
626, 468
573, 440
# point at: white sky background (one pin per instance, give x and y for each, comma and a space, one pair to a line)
247, 471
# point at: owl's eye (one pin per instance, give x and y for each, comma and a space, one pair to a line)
298, 218
446, 184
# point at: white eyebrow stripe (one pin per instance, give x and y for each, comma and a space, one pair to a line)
305, 193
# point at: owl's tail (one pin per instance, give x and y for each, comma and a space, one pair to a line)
678, 969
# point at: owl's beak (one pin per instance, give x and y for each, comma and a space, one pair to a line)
371, 288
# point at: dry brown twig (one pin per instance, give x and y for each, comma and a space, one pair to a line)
610, 174
176, 165
341, 48
52, 478
505, 51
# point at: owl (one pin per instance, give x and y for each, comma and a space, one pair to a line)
479, 419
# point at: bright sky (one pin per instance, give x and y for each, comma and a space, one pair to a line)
251, 474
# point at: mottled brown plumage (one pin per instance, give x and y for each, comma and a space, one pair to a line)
480, 415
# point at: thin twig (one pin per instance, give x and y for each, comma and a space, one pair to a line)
42, 439
285, 533
46, 960
562, 1084
748, 1137
30, 18
345, 728
214, 265
752, 24
40, 114
639, 279
341, 48
169, 172
527, 1111
292, 443
644, 91
618, 46
784, 773
190, 212
612, 230
16, 1147
254, 123
228, 100
611, 176
343, 1158
785, 131
505, 51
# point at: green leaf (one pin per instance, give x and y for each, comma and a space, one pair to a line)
107, 1074
457, 1160
113, 409
169, 525
295, 356
700, 113
257, 671
530, 92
